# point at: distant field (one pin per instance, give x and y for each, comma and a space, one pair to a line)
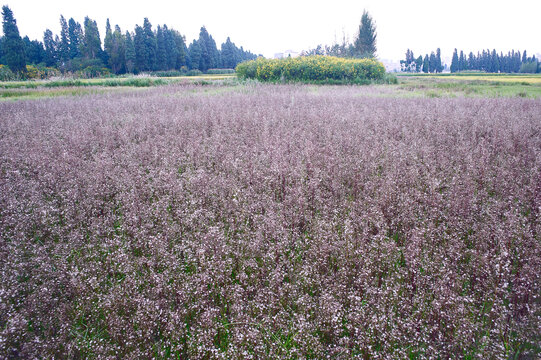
132, 81
470, 85
215, 220
508, 78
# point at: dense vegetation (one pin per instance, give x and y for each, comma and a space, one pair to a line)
430, 64
79, 49
312, 69
486, 61
493, 62
262, 221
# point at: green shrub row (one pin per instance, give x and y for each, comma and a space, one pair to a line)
312, 69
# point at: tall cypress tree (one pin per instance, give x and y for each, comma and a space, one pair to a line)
205, 61
108, 42
454, 61
50, 48
426, 64
171, 51
195, 55
140, 49
365, 43
432, 62
75, 34
229, 58
130, 53
150, 46
91, 40
33, 50
439, 66
182, 51
161, 53
12, 43
63, 45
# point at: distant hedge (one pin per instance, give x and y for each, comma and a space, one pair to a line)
312, 69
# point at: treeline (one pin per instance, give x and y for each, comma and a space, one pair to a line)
78, 48
428, 64
491, 61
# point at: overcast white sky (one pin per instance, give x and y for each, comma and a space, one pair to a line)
268, 27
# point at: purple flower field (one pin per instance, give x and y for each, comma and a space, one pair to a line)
270, 221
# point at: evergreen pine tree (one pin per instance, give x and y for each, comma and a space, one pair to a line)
207, 59
365, 43
140, 49
117, 52
12, 43
171, 50
419, 63
161, 53
426, 64
461, 61
50, 48
108, 42
439, 67
454, 62
432, 62
91, 41
34, 51
130, 53
150, 46
75, 35
195, 53
181, 50
63, 45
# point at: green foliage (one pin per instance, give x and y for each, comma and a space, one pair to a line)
312, 69
91, 47
12, 43
365, 43
530, 67
6, 74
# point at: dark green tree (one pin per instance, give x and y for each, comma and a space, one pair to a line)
34, 51
140, 49
195, 54
130, 58
432, 62
171, 51
209, 51
63, 44
426, 64
454, 61
461, 61
108, 42
50, 48
12, 43
91, 47
161, 53
439, 66
229, 54
182, 50
150, 46
117, 52
75, 34
419, 63
365, 42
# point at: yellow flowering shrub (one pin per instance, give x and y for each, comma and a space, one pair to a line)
312, 69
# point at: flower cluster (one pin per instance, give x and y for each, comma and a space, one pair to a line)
312, 68
269, 221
